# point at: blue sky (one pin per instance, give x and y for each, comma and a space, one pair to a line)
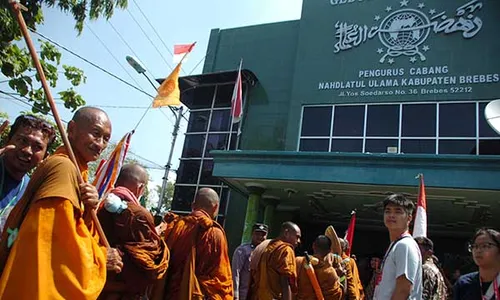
177, 22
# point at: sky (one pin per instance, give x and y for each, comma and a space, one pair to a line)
175, 22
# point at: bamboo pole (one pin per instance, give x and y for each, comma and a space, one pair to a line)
16, 7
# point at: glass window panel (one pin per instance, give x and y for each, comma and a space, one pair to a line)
419, 120
206, 173
457, 147
221, 120
485, 129
383, 120
316, 121
188, 171
347, 145
349, 120
193, 145
489, 147
199, 97
314, 145
198, 121
224, 95
418, 146
218, 141
379, 146
457, 120
183, 197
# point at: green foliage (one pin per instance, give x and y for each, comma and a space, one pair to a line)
16, 63
167, 198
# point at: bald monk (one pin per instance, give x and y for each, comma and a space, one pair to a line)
273, 268
49, 247
199, 261
325, 274
130, 228
355, 289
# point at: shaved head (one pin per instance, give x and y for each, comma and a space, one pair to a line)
88, 114
206, 199
134, 177
344, 244
322, 245
290, 233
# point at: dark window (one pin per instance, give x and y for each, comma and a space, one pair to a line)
316, 121
489, 147
419, 120
188, 171
218, 141
193, 145
221, 120
314, 145
379, 146
206, 173
224, 95
349, 120
383, 120
457, 147
224, 198
418, 146
199, 97
183, 197
485, 129
198, 121
457, 120
347, 145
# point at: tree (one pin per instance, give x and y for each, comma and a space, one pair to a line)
16, 63
167, 197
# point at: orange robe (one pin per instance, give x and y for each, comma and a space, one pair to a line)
327, 279
355, 289
56, 254
277, 260
199, 261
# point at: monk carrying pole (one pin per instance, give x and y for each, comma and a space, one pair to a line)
16, 7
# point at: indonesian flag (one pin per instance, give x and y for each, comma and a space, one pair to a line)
237, 98
180, 51
420, 227
349, 234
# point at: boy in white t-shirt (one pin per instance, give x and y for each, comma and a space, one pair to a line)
401, 276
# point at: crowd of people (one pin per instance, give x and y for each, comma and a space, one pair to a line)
50, 247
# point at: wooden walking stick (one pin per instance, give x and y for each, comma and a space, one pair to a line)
16, 7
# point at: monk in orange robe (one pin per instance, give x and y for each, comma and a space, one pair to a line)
199, 261
130, 228
325, 274
355, 289
49, 247
272, 266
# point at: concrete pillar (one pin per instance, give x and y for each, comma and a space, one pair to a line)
270, 203
255, 193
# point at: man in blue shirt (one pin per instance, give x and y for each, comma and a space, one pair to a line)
26, 146
241, 261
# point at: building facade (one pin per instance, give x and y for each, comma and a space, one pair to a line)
345, 106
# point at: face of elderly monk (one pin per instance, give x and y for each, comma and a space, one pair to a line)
89, 132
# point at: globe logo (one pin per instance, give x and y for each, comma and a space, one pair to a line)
403, 31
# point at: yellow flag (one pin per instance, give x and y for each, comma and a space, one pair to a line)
168, 92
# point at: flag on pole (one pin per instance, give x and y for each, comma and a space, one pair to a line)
168, 92
181, 52
349, 234
108, 170
237, 98
420, 227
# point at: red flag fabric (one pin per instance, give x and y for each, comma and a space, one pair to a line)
420, 226
180, 51
237, 99
349, 235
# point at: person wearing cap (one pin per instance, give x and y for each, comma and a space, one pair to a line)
434, 285
241, 261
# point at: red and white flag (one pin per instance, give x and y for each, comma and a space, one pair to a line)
237, 98
182, 50
420, 227
349, 234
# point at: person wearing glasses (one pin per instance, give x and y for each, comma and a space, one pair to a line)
26, 146
482, 285
130, 228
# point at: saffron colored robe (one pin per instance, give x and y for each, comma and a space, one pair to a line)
199, 261
327, 279
56, 254
268, 266
355, 289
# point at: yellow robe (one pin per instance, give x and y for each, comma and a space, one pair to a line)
327, 280
55, 255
